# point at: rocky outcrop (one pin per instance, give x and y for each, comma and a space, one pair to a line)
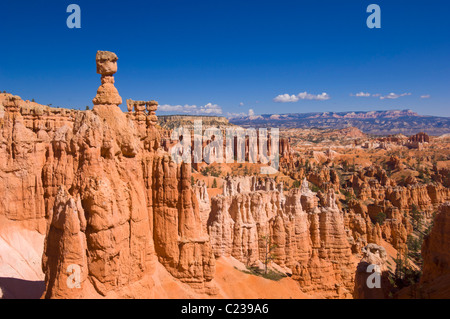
22, 157
117, 212
224, 144
145, 122
310, 241
107, 93
114, 202
435, 280
417, 141
180, 242
379, 196
241, 184
325, 179
170, 122
65, 249
361, 230
204, 202
118, 237
372, 275
395, 163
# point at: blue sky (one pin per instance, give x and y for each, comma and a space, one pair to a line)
233, 56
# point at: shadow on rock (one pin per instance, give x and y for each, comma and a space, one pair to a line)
13, 288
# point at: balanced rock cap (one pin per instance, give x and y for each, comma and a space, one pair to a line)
106, 62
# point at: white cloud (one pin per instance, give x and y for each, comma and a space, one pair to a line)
242, 114
234, 115
192, 109
176, 108
307, 96
393, 96
390, 96
427, 96
211, 108
284, 98
241, 104
361, 94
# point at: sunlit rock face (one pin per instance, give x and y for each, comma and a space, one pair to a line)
310, 242
107, 93
99, 193
435, 281
109, 200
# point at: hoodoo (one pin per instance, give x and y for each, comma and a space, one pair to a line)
107, 93
95, 198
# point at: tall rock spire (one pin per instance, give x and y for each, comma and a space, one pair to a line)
107, 93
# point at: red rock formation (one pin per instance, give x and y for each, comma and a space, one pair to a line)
377, 193
417, 141
420, 138
366, 285
180, 242
325, 179
118, 236
22, 156
435, 280
107, 93
115, 206
65, 247
114, 202
204, 202
395, 163
250, 151
311, 242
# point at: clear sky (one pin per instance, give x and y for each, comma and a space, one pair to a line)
233, 56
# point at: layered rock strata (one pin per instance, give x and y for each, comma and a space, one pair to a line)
372, 274
435, 280
310, 242
110, 201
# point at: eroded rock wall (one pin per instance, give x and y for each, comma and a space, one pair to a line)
435, 280
109, 200
310, 242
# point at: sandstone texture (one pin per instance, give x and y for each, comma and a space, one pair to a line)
107, 93
93, 206
108, 200
435, 281
377, 257
310, 242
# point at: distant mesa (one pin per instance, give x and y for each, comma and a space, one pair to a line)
388, 122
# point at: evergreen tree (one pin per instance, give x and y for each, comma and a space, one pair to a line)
268, 248
417, 218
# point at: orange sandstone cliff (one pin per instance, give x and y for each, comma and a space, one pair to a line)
92, 195
435, 281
